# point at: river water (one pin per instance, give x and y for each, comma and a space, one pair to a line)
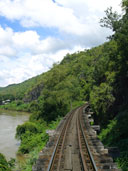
8, 123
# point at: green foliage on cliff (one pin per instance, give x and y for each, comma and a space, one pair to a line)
116, 135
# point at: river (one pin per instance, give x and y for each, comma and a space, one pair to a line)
8, 123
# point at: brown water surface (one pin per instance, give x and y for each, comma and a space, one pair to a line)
8, 123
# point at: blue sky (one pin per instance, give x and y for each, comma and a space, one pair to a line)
36, 34
17, 27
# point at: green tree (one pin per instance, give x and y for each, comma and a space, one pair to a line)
22, 129
101, 100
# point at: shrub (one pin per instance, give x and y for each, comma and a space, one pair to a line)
3, 163
28, 126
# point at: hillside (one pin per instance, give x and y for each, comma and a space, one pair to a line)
98, 75
17, 91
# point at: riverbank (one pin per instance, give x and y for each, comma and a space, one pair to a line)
28, 143
16, 106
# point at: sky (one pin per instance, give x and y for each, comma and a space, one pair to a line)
34, 34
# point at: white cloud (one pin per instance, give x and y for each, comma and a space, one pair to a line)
43, 13
26, 39
5, 36
66, 15
12, 43
86, 6
77, 18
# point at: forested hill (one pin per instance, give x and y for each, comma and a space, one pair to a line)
17, 91
98, 75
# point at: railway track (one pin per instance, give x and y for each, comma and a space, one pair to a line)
88, 162
77, 148
58, 150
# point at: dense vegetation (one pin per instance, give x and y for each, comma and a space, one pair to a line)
33, 138
17, 91
99, 75
4, 165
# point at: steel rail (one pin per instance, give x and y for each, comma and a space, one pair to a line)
87, 146
64, 129
80, 147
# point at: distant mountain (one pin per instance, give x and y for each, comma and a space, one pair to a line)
18, 90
